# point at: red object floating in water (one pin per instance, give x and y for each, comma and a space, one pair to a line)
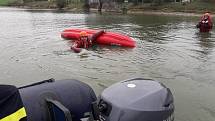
108, 38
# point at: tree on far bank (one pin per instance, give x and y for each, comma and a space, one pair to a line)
61, 3
86, 6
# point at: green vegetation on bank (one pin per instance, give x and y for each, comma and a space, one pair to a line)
195, 6
10, 2
5, 2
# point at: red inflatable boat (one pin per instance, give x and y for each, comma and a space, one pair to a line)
108, 38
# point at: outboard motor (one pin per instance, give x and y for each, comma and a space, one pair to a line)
136, 100
62, 100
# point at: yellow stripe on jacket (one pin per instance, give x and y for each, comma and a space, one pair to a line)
16, 116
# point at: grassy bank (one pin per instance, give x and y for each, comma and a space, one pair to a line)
10, 2
193, 7
4, 2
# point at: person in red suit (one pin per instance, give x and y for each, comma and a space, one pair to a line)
85, 41
205, 24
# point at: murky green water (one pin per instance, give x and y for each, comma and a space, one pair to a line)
169, 49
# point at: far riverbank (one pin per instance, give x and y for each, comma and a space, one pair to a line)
185, 9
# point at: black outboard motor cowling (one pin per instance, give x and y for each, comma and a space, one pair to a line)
137, 100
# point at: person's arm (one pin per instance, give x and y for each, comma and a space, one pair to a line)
76, 47
198, 25
96, 35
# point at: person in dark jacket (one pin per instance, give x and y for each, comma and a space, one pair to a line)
11, 105
85, 41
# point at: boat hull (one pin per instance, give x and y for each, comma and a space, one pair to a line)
108, 38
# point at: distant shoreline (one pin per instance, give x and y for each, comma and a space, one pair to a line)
167, 13
166, 9
93, 10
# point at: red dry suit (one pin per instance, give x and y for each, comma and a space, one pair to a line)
79, 44
205, 24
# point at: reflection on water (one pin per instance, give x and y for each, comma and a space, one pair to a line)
169, 49
205, 42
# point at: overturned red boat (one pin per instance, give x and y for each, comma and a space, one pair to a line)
205, 24
108, 38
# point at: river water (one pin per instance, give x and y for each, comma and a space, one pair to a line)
169, 49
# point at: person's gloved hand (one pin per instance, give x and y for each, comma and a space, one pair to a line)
76, 50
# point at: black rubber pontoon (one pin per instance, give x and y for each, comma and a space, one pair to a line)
43, 99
